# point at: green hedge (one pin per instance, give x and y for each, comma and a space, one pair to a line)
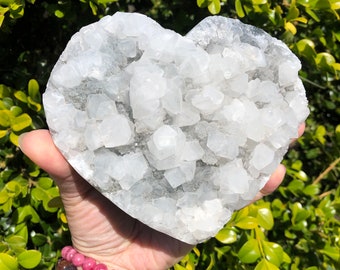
298, 227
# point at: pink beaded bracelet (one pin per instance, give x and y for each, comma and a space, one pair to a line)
76, 259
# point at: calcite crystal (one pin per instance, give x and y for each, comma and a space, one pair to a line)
177, 131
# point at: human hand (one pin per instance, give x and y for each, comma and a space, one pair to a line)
101, 230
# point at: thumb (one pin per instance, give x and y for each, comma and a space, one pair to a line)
39, 147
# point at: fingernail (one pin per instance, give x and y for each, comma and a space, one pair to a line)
21, 138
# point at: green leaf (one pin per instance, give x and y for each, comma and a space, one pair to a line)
313, 153
7, 206
311, 190
16, 242
297, 165
7, 262
214, 7
3, 11
94, 8
212, 262
331, 252
278, 207
4, 90
239, 9
247, 223
34, 105
325, 61
259, 2
33, 90
337, 132
6, 174
14, 187
249, 252
293, 12
3, 247
5, 118
21, 122
226, 236
21, 230
45, 195
298, 213
17, 9
20, 95
179, 267
222, 251
273, 252
265, 265
2, 15
202, 3
55, 202
320, 134
335, 5
45, 182
33, 169
38, 194
240, 214
321, 4
290, 27
295, 186
306, 48
34, 215
3, 196
7, 102
59, 14
3, 133
301, 175
38, 239
29, 259
25, 213
14, 138
16, 110
286, 258
303, 245
312, 14
265, 218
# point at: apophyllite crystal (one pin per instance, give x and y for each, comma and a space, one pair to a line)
176, 131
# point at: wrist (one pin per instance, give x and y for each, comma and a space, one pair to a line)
73, 260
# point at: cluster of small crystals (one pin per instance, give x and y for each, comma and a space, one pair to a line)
176, 131
74, 260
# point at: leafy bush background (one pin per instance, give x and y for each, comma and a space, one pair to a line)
295, 228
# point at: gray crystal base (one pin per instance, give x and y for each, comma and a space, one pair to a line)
176, 131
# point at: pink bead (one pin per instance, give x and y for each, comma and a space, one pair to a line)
89, 264
100, 266
78, 259
65, 250
70, 254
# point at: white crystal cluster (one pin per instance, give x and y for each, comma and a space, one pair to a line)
176, 131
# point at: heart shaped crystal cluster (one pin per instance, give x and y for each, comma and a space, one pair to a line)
176, 131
